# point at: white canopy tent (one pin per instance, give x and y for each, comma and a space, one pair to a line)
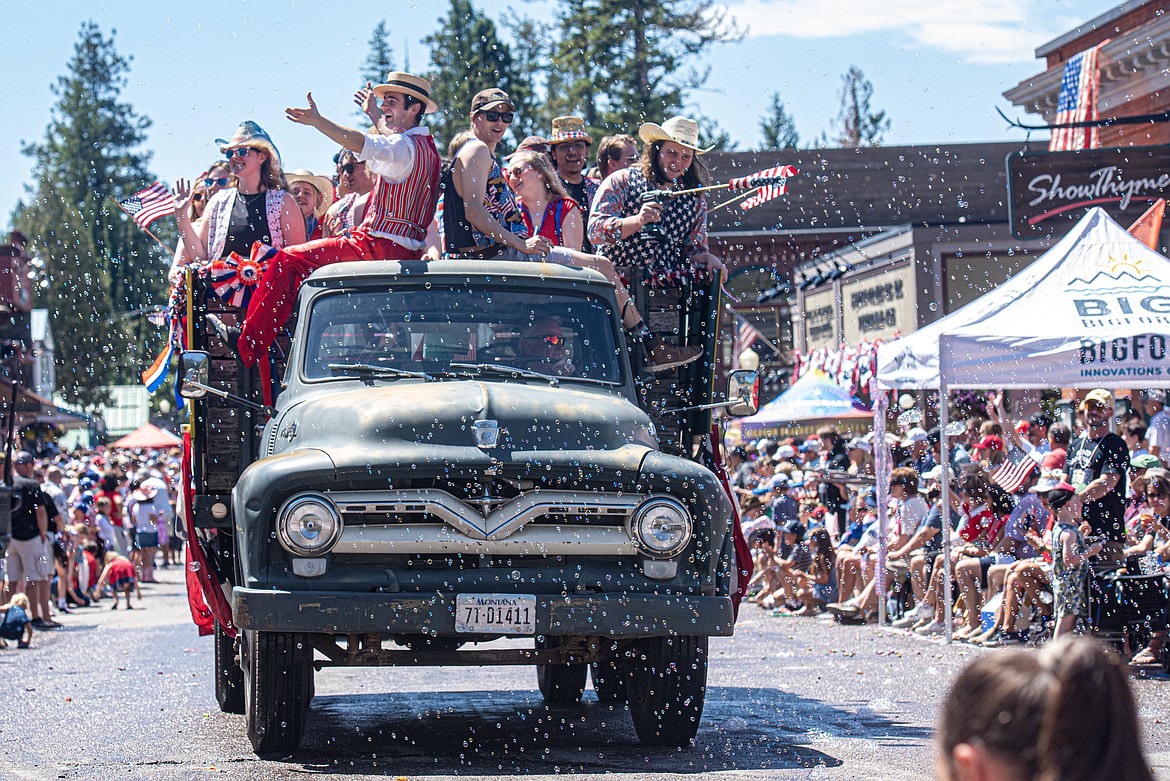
1092, 312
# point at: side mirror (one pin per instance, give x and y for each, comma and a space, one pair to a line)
743, 393
194, 366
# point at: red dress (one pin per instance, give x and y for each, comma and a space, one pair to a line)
553, 221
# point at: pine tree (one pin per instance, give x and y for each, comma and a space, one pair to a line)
99, 265
857, 123
468, 55
777, 127
627, 61
380, 59
711, 133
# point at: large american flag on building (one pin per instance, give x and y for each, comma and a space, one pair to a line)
146, 206
1077, 102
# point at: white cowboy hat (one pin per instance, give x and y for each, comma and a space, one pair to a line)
252, 135
322, 184
415, 86
681, 130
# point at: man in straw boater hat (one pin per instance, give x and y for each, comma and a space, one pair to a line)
403, 156
314, 194
670, 161
482, 218
570, 144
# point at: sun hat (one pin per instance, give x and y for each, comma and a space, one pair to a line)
145, 492
414, 86
530, 144
1049, 479
489, 99
915, 435
858, 444
785, 452
1098, 396
681, 130
252, 135
1145, 461
565, 129
989, 442
322, 184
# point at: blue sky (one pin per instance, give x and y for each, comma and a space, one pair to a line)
938, 66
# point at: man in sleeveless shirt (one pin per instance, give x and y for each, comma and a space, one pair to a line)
403, 156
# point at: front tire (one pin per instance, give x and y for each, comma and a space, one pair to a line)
229, 677
666, 683
279, 686
560, 684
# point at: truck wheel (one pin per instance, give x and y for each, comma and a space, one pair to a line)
279, 674
561, 684
666, 681
609, 681
229, 678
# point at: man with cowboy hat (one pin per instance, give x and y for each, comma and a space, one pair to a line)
680, 250
400, 207
314, 194
570, 144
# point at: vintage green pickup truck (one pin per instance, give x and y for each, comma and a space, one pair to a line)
462, 452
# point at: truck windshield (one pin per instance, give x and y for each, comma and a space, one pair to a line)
427, 329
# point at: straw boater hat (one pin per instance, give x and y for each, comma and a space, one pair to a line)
680, 130
416, 87
322, 184
252, 135
565, 129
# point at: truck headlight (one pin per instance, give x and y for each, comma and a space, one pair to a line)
308, 525
662, 526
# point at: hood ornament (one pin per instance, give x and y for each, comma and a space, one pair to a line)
487, 434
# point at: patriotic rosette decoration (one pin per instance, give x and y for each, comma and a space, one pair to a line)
234, 278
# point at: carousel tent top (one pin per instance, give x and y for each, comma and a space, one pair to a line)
148, 437
1093, 311
813, 397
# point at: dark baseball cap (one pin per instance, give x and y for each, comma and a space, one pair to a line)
488, 99
24, 457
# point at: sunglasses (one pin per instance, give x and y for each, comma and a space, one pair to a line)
551, 340
198, 197
500, 116
241, 152
348, 168
222, 181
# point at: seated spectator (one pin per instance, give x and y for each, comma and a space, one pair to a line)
15, 622
819, 587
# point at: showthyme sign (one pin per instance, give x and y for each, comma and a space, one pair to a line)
1049, 191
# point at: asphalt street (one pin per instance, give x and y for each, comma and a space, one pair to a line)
129, 695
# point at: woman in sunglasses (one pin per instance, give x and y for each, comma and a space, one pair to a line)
256, 207
1154, 547
202, 189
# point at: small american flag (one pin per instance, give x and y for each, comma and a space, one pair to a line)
148, 205
745, 335
766, 192
1010, 475
1077, 103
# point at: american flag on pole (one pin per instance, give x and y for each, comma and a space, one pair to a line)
148, 205
1077, 103
1010, 475
745, 335
770, 191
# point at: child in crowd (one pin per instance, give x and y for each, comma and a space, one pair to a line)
15, 623
119, 575
1070, 558
105, 528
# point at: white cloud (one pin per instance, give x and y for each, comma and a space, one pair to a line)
987, 32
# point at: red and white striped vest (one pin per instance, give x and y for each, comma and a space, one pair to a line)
406, 208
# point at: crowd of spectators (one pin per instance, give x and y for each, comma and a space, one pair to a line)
85, 527
1037, 507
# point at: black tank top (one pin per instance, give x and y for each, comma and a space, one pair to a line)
248, 224
457, 233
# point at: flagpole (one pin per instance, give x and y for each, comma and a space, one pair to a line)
147, 231
736, 199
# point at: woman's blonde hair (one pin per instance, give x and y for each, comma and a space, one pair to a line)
542, 165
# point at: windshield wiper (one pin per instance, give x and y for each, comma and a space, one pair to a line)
370, 370
503, 370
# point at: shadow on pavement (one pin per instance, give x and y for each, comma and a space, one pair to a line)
508, 732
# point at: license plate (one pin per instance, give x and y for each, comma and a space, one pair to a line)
507, 614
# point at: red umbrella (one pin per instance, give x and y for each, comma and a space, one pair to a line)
148, 437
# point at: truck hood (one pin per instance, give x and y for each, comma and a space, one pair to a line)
435, 422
